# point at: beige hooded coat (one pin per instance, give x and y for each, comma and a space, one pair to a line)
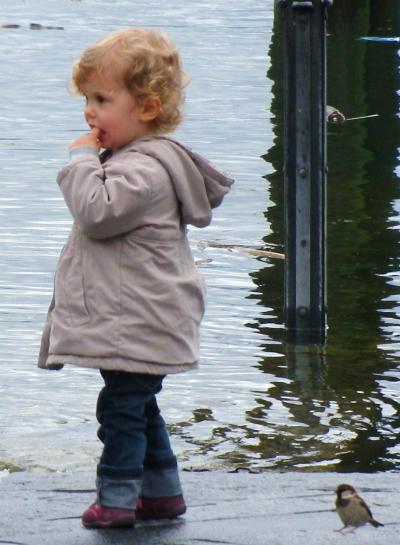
127, 294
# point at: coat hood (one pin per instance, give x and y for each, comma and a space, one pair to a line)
199, 185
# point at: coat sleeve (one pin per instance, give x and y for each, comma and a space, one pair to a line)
107, 200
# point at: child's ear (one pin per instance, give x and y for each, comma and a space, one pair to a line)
150, 109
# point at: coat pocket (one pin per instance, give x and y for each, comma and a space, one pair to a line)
70, 304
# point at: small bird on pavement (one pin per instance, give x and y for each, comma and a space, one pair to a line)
352, 509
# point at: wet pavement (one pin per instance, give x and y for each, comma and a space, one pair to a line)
268, 508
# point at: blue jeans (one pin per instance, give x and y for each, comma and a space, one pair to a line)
137, 457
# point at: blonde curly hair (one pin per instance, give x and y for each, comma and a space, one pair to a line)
146, 62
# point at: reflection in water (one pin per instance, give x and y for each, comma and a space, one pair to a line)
342, 405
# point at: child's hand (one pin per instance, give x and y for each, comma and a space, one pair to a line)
91, 140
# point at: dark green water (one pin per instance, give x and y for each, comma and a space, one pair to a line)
345, 402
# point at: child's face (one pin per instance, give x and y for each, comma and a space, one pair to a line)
112, 109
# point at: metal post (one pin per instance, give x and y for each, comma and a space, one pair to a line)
305, 169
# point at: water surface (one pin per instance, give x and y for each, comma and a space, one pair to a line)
253, 403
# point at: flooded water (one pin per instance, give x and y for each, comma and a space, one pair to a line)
253, 403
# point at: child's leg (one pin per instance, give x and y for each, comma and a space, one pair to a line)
121, 412
160, 477
161, 495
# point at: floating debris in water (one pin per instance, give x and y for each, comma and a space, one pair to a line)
333, 115
379, 39
38, 26
361, 117
203, 261
33, 26
256, 252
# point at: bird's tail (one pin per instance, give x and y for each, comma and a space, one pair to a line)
376, 523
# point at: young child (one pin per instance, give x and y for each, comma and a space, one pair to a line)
128, 299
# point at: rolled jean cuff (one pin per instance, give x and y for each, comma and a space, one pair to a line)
169, 462
113, 472
117, 493
161, 483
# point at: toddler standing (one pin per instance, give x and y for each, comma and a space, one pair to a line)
128, 299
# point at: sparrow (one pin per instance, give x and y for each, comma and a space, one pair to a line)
352, 509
